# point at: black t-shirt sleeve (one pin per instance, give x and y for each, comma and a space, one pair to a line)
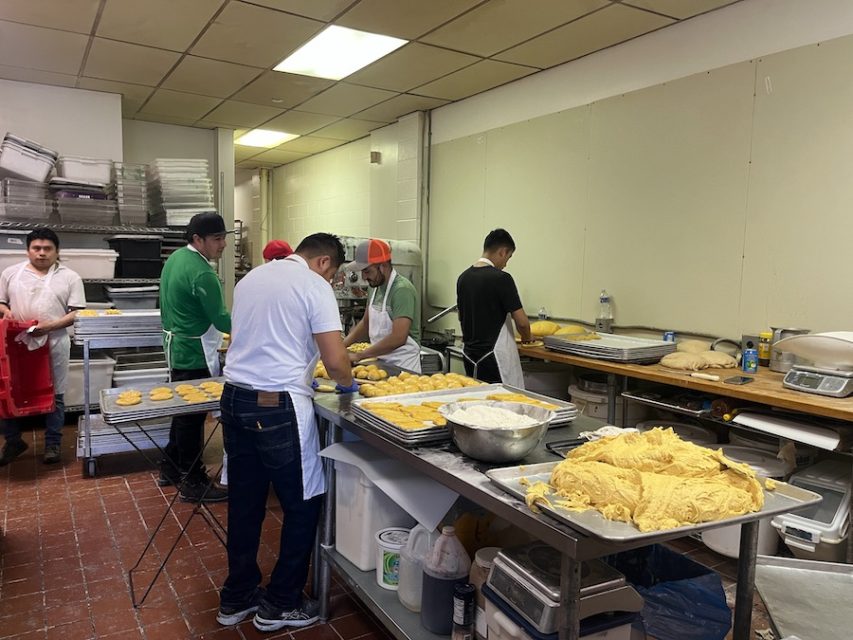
510, 299
459, 304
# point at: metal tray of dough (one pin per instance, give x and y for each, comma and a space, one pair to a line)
783, 499
151, 409
408, 439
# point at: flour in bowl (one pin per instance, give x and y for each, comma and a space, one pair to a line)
486, 417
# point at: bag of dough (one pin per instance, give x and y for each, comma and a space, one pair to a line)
684, 361
719, 360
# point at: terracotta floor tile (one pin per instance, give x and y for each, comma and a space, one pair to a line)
223, 633
152, 613
22, 586
204, 601
77, 630
316, 632
67, 595
250, 633
13, 606
171, 630
21, 622
353, 626
114, 621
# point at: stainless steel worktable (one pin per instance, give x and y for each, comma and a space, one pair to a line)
445, 464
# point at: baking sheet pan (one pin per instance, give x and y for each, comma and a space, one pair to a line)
151, 409
785, 498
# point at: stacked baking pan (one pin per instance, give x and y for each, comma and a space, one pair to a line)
149, 409
564, 413
178, 189
109, 439
128, 188
82, 202
612, 347
24, 201
112, 325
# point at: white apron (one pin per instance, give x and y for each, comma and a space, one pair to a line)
35, 300
505, 351
407, 356
313, 478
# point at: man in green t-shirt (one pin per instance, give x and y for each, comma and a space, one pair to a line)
194, 317
392, 320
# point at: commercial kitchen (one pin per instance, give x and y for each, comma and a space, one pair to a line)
675, 455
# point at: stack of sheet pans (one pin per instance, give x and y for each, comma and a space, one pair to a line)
612, 347
110, 439
178, 188
565, 411
149, 409
111, 325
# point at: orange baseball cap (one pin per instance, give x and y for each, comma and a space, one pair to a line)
277, 249
369, 252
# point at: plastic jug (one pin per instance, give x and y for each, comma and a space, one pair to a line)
446, 565
412, 558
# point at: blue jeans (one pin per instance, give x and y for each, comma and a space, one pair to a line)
263, 449
53, 423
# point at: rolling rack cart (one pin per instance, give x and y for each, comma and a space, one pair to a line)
118, 416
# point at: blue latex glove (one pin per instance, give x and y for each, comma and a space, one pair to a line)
314, 385
341, 389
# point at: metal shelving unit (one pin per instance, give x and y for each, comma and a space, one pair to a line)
91, 228
129, 281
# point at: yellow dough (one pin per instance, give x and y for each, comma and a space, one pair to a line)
157, 397
654, 480
87, 313
184, 388
520, 397
128, 401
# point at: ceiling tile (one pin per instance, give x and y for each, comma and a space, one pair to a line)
345, 99
133, 96
126, 62
69, 15
474, 79
242, 114
180, 105
209, 77
43, 49
410, 66
318, 9
498, 25
680, 8
310, 144
253, 164
299, 122
242, 152
289, 88
156, 23
37, 76
399, 106
279, 156
254, 35
407, 19
599, 30
153, 117
349, 129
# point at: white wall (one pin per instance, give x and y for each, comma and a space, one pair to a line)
71, 121
145, 141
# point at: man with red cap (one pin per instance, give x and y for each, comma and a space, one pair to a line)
392, 320
276, 250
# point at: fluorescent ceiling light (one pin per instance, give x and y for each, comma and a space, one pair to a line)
264, 138
336, 52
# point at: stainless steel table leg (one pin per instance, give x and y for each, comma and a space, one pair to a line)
323, 430
327, 537
849, 537
745, 579
611, 398
570, 593
625, 403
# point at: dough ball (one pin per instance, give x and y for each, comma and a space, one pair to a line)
684, 361
692, 346
719, 360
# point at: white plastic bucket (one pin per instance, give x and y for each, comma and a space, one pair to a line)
594, 405
726, 540
694, 433
389, 542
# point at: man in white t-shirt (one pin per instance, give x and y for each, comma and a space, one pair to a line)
43, 291
284, 318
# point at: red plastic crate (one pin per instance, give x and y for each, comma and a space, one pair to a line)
26, 377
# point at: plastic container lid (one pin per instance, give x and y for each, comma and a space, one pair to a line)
694, 433
393, 538
485, 557
763, 463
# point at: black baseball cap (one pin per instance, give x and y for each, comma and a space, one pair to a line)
204, 224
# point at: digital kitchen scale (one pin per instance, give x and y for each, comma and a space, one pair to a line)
819, 380
527, 578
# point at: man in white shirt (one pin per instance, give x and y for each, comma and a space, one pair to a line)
283, 313
42, 290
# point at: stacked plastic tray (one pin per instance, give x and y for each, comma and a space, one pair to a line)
24, 201
25, 159
82, 202
178, 188
128, 188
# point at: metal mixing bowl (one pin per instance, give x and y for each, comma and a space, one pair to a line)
498, 444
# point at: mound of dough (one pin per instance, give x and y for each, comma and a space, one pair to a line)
692, 346
684, 361
719, 360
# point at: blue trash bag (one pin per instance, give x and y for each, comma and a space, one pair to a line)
684, 600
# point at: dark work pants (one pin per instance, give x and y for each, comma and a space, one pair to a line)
187, 433
487, 369
263, 448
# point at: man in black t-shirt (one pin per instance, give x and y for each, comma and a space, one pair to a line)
488, 304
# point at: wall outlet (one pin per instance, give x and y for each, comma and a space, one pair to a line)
748, 342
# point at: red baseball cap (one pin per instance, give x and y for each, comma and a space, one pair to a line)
276, 250
369, 252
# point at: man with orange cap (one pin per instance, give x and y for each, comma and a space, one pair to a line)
392, 320
276, 250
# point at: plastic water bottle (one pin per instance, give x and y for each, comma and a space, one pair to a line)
543, 313
604, 321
